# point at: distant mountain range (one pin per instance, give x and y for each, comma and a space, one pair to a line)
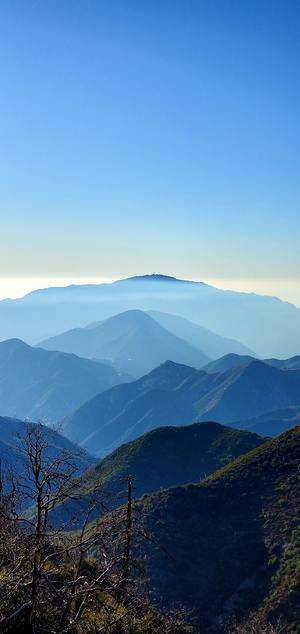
120, 415
101, 408
132, 341
275, 422
213, 345
162, 458
285, 364
265, 325
227, 362
175, 394
230, 361
42, 385
228, 546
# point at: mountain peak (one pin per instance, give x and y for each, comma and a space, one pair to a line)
158, 277
129, 314
15, 343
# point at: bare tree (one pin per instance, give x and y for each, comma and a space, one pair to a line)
258, 624
53, 579
48, 477
127, 543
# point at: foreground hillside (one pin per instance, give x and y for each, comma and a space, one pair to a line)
228, 546
175, 394
49, 581
164, 457
42, 385
132, 341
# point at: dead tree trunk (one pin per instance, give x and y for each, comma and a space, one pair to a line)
127, 544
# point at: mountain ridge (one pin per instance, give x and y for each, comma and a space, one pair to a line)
208, 341
132, 340
162, 458
174, 394
40, 384
228, 313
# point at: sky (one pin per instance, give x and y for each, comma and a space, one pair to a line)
150, 136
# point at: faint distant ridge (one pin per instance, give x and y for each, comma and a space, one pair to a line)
132, 340
158, 277
262, 324
48, 385
180, 395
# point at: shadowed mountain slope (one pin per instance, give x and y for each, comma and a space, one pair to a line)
42, 385
229, 546
132, 341
164, 457
251, 390
122, 414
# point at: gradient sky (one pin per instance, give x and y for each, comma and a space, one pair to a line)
150, 135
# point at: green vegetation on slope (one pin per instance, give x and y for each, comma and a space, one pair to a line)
232, 541
164, 457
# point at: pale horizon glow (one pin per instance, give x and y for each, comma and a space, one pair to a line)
286, 290
16, 287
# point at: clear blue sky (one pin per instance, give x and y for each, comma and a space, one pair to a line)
150, 135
